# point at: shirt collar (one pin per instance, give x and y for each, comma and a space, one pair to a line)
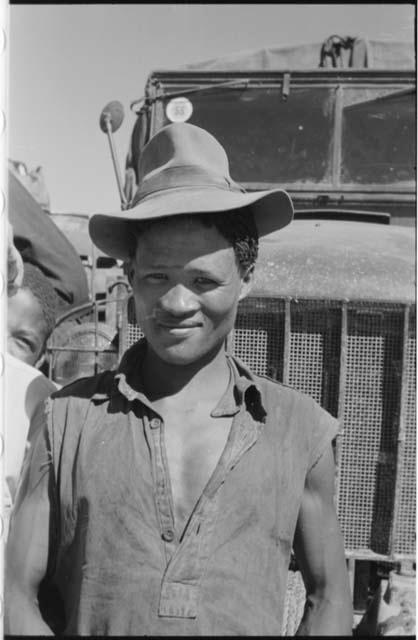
242, 386
128, 380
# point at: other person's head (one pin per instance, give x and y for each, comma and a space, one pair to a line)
190, 239
31, 316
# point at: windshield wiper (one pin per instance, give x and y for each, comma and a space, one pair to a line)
195, 89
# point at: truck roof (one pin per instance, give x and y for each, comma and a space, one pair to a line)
381, 54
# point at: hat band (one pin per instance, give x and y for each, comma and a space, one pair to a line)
181, 177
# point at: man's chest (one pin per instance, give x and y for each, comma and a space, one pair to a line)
136, 479
193, 443
135, 466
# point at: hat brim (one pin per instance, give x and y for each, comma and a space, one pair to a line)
112, 233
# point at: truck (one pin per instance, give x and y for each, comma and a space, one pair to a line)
333, 308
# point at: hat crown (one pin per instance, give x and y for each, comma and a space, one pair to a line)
182, 170
179, 154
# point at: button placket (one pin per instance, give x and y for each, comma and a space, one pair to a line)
180, 589
181, 585
162, 488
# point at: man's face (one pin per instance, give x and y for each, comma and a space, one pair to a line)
25, 327
186, 284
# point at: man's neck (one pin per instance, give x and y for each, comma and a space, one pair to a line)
205, 378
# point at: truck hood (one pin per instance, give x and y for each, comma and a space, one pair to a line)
338, 260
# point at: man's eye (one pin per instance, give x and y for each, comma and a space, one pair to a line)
155, 277
26, 344
206, 282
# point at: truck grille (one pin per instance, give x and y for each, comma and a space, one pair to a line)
357, 359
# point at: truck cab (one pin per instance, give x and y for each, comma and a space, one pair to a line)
340, 140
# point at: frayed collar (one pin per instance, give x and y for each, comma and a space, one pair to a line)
242, 387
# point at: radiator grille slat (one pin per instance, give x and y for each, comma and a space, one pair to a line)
404, 542
371, 424
315, 351
306, 360
259, 335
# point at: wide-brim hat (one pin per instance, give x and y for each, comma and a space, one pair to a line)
184, 170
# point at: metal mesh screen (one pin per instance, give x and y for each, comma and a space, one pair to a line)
404, 542
314, 344
371, 422
314, 357
306, 360
134, 333
131, 332
259, 334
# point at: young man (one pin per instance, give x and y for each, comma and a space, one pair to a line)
165, 498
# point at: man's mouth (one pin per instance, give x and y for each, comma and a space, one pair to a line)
178, 328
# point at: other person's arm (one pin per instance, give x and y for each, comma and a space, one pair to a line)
319, 551
28, 545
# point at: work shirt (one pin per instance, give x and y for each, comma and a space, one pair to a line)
117, 560
25, 388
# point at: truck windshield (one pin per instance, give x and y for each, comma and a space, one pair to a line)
378, 137
269, 139
311, 138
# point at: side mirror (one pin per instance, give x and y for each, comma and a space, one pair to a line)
110, 120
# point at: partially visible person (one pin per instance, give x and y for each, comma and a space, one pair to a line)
31, 313
31, 316
26, 387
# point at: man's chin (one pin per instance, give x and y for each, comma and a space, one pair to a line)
183, 355
178, 358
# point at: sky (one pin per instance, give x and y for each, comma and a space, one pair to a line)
66, 62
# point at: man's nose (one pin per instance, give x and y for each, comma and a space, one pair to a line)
179, 300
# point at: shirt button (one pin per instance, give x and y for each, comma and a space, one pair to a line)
168, 535
155, 423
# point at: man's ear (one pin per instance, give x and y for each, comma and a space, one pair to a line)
128, 269
247, 282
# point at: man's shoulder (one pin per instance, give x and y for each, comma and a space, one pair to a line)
272, 388
301, 415
17, 370
26, 387
274, 392
66, 411
298, 406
